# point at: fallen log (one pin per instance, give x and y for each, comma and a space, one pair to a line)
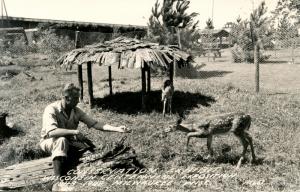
117, 155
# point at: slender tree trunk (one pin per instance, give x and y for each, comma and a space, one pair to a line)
180, 47
178, 38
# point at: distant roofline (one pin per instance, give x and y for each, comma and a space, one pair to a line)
214, 31
75, 22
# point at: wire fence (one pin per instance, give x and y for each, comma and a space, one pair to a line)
279, 47
282, 47
52, 42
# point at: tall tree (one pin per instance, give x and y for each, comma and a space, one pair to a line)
169, 21
258, 25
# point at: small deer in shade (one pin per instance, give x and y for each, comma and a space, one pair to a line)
207, 127
166, 96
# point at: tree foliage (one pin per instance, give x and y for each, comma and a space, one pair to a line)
290, 9
169, 17
248, 34
286, 22
209, 24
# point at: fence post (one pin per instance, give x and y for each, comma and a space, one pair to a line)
256, 63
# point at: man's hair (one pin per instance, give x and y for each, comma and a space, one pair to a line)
70, 88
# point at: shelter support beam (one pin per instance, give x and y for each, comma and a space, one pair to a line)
110, 80
143, 88
90, 84
80, 81
79, 69
148, 79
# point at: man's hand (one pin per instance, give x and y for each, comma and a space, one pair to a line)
79, 136
123, 129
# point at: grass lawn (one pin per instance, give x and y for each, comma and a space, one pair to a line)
220, 87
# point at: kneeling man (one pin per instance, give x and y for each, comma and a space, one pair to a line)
59, 132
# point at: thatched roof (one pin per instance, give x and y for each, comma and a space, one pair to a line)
214, 32
126, 52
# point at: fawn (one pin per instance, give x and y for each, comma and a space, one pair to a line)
166, 96
237, 123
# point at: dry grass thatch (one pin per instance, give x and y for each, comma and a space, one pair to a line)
126, 52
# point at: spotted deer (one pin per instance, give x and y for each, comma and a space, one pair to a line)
166, 96
236, 123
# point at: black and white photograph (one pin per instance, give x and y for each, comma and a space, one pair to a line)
150, 95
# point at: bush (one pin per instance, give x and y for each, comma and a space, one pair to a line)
15, 46
47, 42
51, 44
239, 55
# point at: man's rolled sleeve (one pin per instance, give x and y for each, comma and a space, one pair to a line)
83, 117
49, 121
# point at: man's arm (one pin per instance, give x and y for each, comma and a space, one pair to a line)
60, 132
90, 122
107, 127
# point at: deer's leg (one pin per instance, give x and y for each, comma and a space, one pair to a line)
164, 107
249, 139
192, 134
170, 105
245, 143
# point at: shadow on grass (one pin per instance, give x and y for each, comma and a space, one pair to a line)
210, 74
8, 132
275, 62
277, 93
131, 102
225, 158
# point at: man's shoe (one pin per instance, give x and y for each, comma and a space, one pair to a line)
62, 186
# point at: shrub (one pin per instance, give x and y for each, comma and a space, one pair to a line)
53, 45
239, 55
15, 46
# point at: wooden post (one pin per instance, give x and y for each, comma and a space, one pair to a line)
143, 88
148, 79
110, 80
172, 68
90, 83
79, 68
80, 81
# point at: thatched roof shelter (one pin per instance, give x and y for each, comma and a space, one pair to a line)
127, 53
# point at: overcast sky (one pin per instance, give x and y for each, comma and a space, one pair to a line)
135, 12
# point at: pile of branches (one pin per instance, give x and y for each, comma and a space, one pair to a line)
115, 155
